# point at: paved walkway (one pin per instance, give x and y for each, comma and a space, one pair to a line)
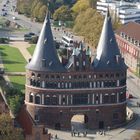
5, 76
22, 46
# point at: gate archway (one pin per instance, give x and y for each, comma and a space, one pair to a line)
78, 122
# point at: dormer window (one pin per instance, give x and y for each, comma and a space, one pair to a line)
128, 38
135, 42
132, 40
125, 36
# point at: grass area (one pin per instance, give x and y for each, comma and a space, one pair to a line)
12, 59
18, 82
31, 49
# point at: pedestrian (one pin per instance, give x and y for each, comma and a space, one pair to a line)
56, 136
78, 134
72, 133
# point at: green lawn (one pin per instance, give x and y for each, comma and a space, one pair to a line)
12, 59
31, 49
18, 82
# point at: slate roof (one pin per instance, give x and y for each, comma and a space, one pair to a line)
108, 56
132, 29
45, 56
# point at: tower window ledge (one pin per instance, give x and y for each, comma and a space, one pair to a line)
108, 104
72, 89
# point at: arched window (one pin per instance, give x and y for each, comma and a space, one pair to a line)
31, 82
37, 99
106, 98
38, 83
33, 74
34, 83
39, 75
31, 97
54, 100
47, 100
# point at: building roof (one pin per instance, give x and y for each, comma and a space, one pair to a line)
131, 29
108, 56
45, 57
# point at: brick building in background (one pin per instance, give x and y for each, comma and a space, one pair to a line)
97, 89
128, 39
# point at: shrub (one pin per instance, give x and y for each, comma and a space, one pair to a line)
4, 40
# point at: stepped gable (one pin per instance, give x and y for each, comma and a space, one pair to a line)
108, 56
45, 57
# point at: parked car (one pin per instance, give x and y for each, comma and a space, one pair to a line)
29, 36
32, 34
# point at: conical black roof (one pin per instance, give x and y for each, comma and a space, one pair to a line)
45, 56
108, 56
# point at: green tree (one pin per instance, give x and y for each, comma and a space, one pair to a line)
15, 99
89, 25
7, 130
63, 13
15, 104
92, 3
80, 6
42, 13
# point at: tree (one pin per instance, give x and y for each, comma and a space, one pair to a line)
7, 130
80, 6
63, 13
15, 99
92, 3
89, 25
42, 13
15, 103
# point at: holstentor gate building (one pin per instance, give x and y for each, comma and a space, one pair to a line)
96, 89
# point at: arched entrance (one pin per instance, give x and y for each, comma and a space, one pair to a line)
78, 122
